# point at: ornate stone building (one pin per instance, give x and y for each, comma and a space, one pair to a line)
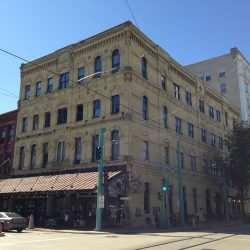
121, 81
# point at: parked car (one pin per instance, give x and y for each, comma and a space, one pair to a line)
12, 221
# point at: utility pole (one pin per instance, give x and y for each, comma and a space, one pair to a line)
180, 183
99, 196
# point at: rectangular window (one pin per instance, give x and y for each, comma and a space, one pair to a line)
78, 150
222, 73
212, 140
165, 117
95, 144
188, 98
163, 82
11, 133
211, 112
205, 167
214, 169
81, 75
208, 77
27, 92
177, 91
115, 104
3, 135
21, 158
146, 198
61, 115
178, 125
145, 150
79, 112
64, 80
38, 88
195, 200
226, 119
223, 88
25, 124
35, 122
60, 151
50, 85
192, 163
97, 109
45, 154
201, 106
203, 135
47, 119
218, 118
33, 156
220, 142
115, 150
190, 130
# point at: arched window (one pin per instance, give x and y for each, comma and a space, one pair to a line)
115, 61
144, 67
145, 107
165, 117
98, 66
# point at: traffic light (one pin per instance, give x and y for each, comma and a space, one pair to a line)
163, 185
98, 153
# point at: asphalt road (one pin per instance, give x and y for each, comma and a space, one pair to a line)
229, 238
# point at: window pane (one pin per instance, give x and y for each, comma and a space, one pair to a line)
97, 109
50, 85
115, 144
115, 61
79, 112
115, 104
64, 80
78, 150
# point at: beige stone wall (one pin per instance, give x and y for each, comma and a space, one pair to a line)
131, 87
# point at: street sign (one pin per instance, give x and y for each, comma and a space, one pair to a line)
101, 201
126, 198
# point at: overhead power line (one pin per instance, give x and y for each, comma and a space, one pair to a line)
131, 12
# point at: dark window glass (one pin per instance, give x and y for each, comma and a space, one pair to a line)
50, 85
27, 92
35, 122
211, 112
21, 158
45, 154
38, 88
146, 198
33, 156
64, 80
177, 92
212, 140
145, 150
97, 109
178, 125
226, 119
78, 150
190, 130
115, 104
201, 106
165, 117
95, 144
79, 112
208, 78
203, 135
47, 120
81, 74
222, 74
192, 163
98, 67
145, 108
115, 151
163, 82
115, 61
188, 97
195, 200
220, 142
223, 88
11, 133
62, 116
144, 67
60, 151
25, 124
3, 135
218, 118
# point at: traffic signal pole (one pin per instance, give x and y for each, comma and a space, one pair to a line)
180, 183
98, 226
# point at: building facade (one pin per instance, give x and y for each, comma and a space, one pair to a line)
7, 142
230, 76
121, 81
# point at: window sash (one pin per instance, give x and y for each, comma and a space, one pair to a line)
50, 85
79, 112
33, 156
60, 151
145, 150
97, 108
78, 150
47, 120
64, 80
115, 104
45, 154
27, 92
115, 145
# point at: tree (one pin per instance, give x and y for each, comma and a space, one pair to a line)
239, 159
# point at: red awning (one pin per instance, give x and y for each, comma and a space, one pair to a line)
47, 183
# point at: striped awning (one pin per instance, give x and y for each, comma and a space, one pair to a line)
47, 183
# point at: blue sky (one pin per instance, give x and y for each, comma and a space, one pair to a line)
190, 30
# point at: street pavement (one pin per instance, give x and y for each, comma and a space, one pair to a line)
226, 237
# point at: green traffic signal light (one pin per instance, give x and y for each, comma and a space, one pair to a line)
164, 188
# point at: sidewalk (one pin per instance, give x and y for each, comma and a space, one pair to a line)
143, 229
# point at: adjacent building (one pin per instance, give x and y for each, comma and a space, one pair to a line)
7, 142
229, 75
146, 102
